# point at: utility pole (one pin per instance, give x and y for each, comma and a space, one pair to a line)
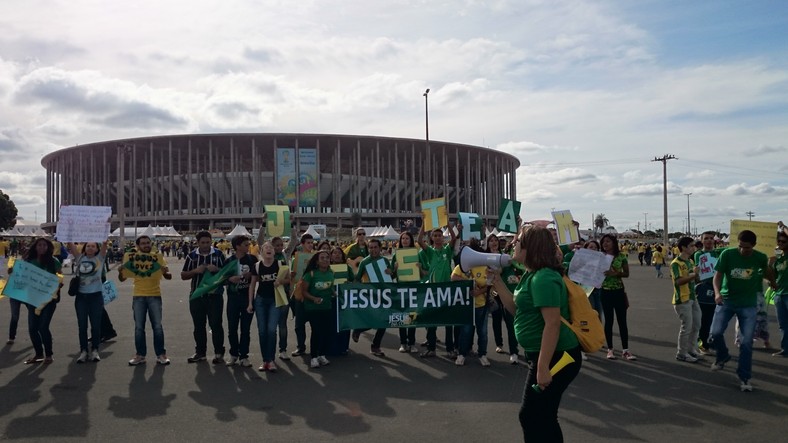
664, 159
750, 214
645, 221
689, 231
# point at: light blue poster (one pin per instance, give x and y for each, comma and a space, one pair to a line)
31, 284
307, 177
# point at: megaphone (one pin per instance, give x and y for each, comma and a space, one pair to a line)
470, 259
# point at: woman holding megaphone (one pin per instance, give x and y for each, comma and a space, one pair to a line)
538, 304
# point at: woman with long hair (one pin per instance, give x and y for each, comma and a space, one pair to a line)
614, 298
40, 255
539, 303
89, 301
317, 290
407, 336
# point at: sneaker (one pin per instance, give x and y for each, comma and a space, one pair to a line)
323, 360
460, 360
34, 359
10, 341
720, 364
94, 356
514, 359
686, 358
314, 363
195, 358
705, 351
404, 348
137, 360
283, 355
297, 353
218, 359
272, 367
162, 360
83, 357
483, 360
499, 350
264, 367
745, 386
696, 355
245, 363
611, 355
427, 354
424, 344
780, 354
628, 356
109, 336
232, 361
452, 354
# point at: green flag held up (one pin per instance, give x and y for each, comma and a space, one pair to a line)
212, 281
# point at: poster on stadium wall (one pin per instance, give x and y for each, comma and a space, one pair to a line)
307, 178
286, 177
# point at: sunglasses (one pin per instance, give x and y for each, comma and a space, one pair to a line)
361, 233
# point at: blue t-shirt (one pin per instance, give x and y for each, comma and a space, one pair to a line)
90, 270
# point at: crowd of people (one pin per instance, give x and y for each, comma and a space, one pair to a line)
261, 281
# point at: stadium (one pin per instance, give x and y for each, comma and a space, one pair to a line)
219, 180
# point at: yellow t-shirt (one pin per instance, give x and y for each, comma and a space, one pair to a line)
657, 258
145, 286
4, 247
479, 276
254, 250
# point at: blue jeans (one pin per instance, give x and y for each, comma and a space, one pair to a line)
746, 316
267, 321
466, 333
38, 327
150, 306
282, 325
89, 307
781, 303
237, 314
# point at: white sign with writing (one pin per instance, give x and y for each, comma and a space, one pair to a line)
79, 224
588, 267
31, 284
706, 263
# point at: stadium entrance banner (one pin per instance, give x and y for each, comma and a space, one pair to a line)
404, 305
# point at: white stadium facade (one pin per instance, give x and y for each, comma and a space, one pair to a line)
202, 181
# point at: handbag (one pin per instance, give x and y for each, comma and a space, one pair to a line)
73, 286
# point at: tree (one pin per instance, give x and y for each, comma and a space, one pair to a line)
600, 221
8, 211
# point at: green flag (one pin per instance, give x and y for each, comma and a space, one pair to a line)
211, 281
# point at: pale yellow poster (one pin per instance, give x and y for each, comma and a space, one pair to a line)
766, 233
434, 213
407, 265
565, 228
277, 218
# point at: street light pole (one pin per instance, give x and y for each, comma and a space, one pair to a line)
123, 149
427, 138
689, 231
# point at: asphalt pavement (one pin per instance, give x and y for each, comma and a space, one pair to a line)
362, 398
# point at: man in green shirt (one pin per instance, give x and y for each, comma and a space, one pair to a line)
738, 279
439, 256
371, 271
779, 263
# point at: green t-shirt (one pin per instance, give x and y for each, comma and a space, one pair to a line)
439, 263
681, 268
511, 275
615, 282
781, 270
355, 250
424, 259
543, 288
320, 284
742, 277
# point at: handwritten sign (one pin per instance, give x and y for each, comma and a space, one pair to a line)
565, 228
277, 220
109, 291
434, 213
588, 267
766, 233
507, 215
408, 265
706, 263
471, 225
79, 224
31, 284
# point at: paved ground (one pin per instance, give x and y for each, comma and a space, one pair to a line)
359, 398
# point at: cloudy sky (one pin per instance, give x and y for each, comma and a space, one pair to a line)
586, 94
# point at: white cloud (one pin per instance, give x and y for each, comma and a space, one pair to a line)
703, 173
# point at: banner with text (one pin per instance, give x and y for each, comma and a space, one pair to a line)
286, 180
434, 214
31, 284
78, 224
307, 177
765, 232
507, 215
277, 220
404, 305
